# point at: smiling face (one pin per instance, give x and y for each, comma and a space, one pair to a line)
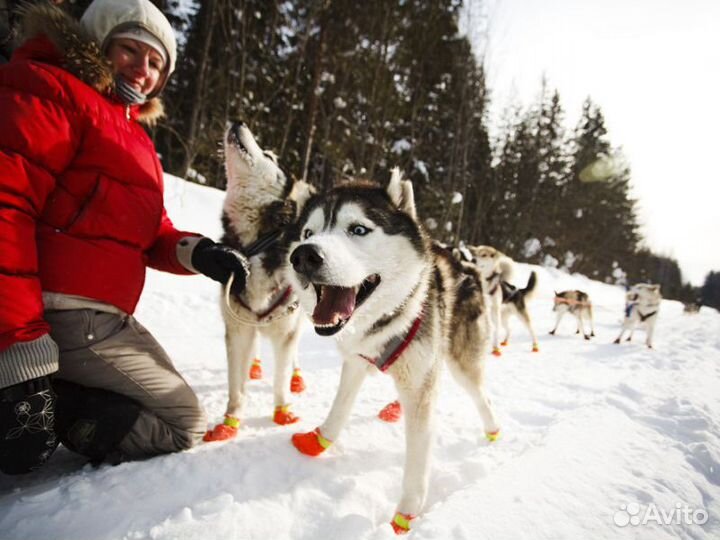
356, 257
138, 63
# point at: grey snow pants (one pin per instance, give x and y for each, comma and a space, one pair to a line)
115, 352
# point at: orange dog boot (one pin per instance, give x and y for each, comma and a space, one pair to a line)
496, 352
536, 347
256, 369
283, 416
311, 443
401, 523
504, 343
222, 432
297, 383
391, 412
492, 436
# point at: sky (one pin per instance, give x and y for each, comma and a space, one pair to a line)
653, 67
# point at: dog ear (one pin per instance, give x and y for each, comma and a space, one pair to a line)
401, 192
300, 193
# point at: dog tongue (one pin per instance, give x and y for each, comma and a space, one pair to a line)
335, 303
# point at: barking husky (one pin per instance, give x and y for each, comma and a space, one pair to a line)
576, 303
642, 303
260, 203
367, 273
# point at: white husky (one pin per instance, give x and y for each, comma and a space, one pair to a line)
642, 303
261, 202
366, 273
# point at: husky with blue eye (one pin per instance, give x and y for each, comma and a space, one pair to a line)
366, 273
260, 205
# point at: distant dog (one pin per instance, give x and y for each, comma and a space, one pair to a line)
514, 302
495, 267
642, 304
261, 201
504, 298
367, 273
576, 303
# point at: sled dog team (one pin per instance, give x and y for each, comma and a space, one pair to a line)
356, 260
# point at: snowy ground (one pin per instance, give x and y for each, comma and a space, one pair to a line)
594, 435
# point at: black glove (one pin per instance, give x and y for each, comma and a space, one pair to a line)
27, 425
217, 261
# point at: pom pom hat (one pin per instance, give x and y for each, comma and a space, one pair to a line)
105, 20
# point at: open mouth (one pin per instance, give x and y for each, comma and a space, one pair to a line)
234, 137
336, 305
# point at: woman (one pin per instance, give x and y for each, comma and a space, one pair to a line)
81, 217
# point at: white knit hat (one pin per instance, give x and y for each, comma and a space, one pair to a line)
105, 20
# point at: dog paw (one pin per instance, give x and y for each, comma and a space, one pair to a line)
297, 383
535, 347
496, 352
401, 523
256, 369
504, 343
311, 443
492, 436
283, 416
392, 412
222, 432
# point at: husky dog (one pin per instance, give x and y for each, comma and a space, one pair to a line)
514, 302
576, 303
366, 272
642, 303
495, 267
260, 203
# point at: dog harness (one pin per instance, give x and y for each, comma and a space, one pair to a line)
643, 318
395, 347
493, 277
262, 243
568, 301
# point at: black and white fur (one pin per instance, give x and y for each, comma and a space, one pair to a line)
504, 299
364, 271
260, 199
642, 305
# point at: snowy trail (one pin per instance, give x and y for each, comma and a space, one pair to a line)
587, 427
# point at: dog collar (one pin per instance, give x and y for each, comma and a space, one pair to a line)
279, 302
395, 347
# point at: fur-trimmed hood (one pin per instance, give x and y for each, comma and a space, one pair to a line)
80, 55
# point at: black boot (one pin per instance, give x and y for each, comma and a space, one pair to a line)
27, 436
93, 421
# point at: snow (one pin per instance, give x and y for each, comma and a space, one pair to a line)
591, 430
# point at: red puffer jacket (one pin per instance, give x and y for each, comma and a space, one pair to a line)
81, 187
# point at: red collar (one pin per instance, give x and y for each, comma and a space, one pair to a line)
395, 347
279, 302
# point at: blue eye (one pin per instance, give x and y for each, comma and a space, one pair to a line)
358, 230
307, 233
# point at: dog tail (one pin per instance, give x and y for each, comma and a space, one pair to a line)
531, 287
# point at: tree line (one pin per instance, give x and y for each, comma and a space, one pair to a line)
340, 88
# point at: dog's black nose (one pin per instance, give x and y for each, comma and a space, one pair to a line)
306, 259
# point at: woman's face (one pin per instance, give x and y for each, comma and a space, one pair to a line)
138, 63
